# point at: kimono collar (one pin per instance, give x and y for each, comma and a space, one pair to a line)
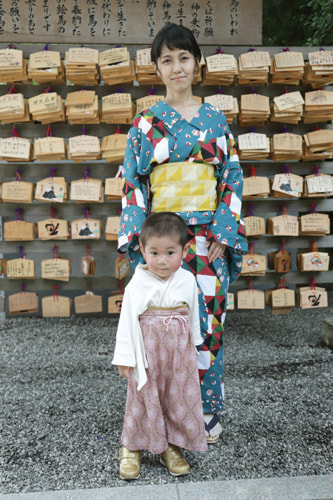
171, 118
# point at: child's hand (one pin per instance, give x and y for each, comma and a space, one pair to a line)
124, 370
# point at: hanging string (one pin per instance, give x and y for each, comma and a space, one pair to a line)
14, 131
52, 213
312, 283
47, 90
316, 170
152, 91
18, 174
48, 131
12, 90
250, 283
252, 171
46, 47
83, 131
22, 287
119, 130
219, 50
20, 252
121, 286
251, 248
286, 169
86, 213
55, 252
250, 211
18, 213
283, 246
314, 247
88, 251
55, 293
313, 208
282, 283
52, 172
86, 174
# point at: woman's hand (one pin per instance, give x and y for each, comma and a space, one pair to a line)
215, 251
124, 370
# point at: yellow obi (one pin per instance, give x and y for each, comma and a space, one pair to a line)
183, 187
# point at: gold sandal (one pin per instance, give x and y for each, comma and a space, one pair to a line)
129, 463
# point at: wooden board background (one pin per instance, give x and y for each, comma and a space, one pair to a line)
226, 22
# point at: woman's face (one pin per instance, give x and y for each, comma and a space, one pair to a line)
176, 68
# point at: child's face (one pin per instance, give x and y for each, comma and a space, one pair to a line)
163, 255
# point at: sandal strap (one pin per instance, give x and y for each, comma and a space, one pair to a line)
215, 420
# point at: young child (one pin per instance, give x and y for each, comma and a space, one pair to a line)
158, 329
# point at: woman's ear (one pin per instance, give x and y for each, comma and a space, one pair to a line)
156, 69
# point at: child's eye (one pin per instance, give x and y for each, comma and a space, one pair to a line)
153, 253
171, 252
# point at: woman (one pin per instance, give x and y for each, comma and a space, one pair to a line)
180, 157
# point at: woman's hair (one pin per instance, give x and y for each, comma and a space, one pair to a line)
175, 37
164, 224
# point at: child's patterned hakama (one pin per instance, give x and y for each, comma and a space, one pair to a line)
167, 410
161, 136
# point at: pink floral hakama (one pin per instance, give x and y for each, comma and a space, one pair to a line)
167, 410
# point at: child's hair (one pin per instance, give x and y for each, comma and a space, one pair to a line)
164, 224
175, 37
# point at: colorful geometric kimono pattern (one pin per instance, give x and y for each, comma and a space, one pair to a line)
161, 135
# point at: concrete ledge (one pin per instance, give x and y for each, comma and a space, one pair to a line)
277, 488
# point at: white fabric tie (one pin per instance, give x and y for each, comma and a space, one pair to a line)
183, 320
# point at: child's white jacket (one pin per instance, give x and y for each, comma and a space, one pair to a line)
146, 289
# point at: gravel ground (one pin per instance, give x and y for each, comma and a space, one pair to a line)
62, 403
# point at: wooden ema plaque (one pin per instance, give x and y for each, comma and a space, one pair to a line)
17, 192
318, 186
256, 187
253, 265
86, 229
53, 229
113, 147
113, 188
112, 228
84, 190
3, 267
23, 302
312, 297
279, 261
88, 265
115, 302
122, 267
20, 230
250, 299
255, 226
20, 268
56, 306
314, 224
312, 261
88, 303
51, 189
56, 269
283, 225
287, 186
230, 301
281, 300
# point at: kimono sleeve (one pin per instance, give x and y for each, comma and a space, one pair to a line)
228, 226
194, 312
134, 193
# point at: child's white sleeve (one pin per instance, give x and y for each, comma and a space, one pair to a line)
124, 353
194, 313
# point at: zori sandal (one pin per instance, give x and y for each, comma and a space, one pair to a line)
213, 428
